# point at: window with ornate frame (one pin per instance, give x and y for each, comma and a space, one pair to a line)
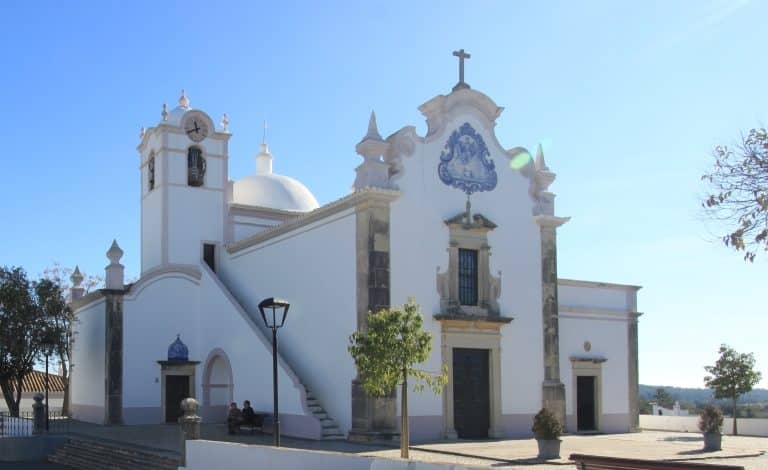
467, 287
195, 167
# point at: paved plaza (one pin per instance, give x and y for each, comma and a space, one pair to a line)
513, 453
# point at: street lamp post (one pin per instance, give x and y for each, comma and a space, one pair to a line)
273, 312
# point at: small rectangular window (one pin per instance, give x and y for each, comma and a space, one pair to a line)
209, 255
151, 173
467, 277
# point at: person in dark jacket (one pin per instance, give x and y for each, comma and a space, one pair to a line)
249, 415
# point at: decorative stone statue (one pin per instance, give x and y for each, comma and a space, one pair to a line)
190, 422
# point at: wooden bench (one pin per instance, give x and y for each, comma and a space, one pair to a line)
257, 423
598, 462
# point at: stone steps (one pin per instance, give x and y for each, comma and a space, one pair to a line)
330, 430
89, 454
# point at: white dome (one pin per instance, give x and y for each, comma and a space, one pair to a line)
273, 191
266, 189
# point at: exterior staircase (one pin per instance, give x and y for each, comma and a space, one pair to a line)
87, 454
331, 430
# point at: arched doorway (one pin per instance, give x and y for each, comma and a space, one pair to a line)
218, 386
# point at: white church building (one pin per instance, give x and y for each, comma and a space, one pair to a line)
452, 218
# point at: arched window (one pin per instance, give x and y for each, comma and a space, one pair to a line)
195, 167
151, 172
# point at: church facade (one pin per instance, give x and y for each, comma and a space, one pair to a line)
452, 219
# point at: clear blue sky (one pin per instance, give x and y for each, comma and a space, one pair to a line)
629, 98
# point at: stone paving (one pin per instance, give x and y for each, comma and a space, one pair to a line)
514, 453
684, 447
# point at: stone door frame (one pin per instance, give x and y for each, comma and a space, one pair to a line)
587, 367
184, 368
472, 334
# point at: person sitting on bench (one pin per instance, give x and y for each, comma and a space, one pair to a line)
234, 418
250, 418
248, 414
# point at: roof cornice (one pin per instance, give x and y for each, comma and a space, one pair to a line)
355, 199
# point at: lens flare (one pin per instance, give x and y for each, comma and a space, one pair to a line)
520, 160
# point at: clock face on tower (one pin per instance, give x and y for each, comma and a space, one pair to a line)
195, 126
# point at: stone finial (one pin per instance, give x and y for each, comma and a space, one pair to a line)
76, 277
190, 421
373, 172
540, 164
165, 112
183, 100
142, 131
76, 291
115, 253
373, 129
115, 272
225, 122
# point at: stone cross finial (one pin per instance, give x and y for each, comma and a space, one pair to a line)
165, 112
183, 100
225, 122
461, 55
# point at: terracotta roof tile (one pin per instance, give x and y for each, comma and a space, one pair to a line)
35, 382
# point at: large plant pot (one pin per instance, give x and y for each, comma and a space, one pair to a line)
549, 448
713, 440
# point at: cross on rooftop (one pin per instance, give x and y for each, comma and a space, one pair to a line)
461, 55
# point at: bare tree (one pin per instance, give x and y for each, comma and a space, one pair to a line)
738, 193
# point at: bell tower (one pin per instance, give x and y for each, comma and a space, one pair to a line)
184, 184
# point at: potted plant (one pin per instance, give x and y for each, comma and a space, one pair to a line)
711, 424
547, 430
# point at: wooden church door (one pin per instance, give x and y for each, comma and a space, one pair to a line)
176, 389
471, 393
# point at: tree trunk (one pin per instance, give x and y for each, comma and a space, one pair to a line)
65, 377
13, 407
735, 413
404, 417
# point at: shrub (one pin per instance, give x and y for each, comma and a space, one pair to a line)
546, 426
711, 419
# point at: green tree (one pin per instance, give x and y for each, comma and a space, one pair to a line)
732, 375
738, 193
387, 351
22, 326
663, 398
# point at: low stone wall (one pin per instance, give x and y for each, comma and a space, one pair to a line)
204, 455
746, 426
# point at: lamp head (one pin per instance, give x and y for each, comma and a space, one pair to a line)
273, 312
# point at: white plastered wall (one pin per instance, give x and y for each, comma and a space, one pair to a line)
313, 268
419, 243
594, 324
207, 319
87, 379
